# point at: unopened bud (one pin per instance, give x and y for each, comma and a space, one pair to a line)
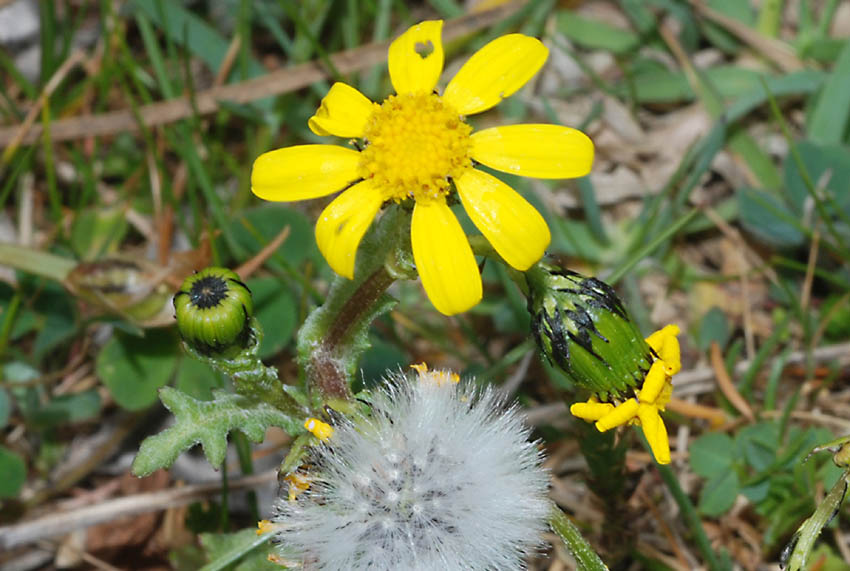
581, 326
213, 309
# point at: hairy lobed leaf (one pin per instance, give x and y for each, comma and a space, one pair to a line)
207, 423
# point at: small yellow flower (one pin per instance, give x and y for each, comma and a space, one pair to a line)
416, 145
297, 484
439, 377
319, 429
649, 401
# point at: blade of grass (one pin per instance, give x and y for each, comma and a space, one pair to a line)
585, 556
446, 8
740, 141
770, 17
49, 167
381, 31
689, 513
35, 262
828, 122
236, 553
839, 242
668, 232
183, 142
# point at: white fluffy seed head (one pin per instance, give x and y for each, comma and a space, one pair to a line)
439, 476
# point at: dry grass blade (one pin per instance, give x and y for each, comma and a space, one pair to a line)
726, 386
781, 54
62, 522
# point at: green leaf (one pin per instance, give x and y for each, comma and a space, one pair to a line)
66, 409
712, 454
185, 28
55, 315
757, 492
820, 161
196, 379
735, 9
276, 311
766, 217
133, 368
14, 472
245, 547
758, 444
595, 34
713, 327
719, 493
207, 423
96, 232
666, 86
253, 228
828, 122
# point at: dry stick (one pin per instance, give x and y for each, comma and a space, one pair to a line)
28, 132
245, 270
727, 387
274, 83
61, 523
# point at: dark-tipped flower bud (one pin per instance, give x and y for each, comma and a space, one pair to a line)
213, 309
582, 327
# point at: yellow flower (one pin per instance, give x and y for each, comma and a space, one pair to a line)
417, 145
651, 399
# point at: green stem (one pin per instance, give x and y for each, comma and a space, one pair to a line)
586, 558
250, 376
334, 335
618, 273
246, 464
691, 518
327, 373
9, 321
804, 539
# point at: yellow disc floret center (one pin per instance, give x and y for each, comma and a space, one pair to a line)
414, 145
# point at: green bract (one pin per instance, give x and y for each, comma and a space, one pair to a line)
213, 308
581, 326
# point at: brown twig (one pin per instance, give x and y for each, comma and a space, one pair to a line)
727, 387
245, 270
28, 131
272, 84
64, 522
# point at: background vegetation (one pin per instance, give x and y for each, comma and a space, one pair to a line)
719, 201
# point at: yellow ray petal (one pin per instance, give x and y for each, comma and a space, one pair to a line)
415, 58
621, 414
303, 171
655, 432
342, 224
494, 72
540, 151
654, 382
666, 345
344, 112
513, 226
443, 258
591, 411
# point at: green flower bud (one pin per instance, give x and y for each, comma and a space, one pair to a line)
213, 309
581, 326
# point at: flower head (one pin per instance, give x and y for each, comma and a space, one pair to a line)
417, 146
582, 327
213, 308
438, 476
